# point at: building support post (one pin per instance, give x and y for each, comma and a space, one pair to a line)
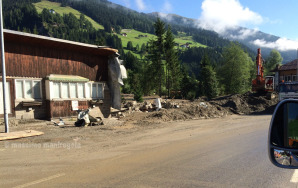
3, 71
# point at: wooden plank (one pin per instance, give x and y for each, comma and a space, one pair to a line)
19, 134
32, 103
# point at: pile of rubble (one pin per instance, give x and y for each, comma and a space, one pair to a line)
248, 103
149, 106
172, 110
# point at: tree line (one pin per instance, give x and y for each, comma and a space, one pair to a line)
192, 73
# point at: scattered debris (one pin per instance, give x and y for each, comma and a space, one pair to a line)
61, 122
83, 118
173, 110
56, 124
155, 110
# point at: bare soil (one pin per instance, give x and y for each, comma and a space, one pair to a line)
135, 120
181, 110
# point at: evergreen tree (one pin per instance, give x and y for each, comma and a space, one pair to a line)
156, 56
208, 80
133, 85
143, 48
235, 72
131, 62
189, 85
173, 72
137, 48
129, 46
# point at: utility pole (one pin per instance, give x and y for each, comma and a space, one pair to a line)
3, 71
297, 68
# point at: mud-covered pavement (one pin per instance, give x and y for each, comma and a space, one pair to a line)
225, 152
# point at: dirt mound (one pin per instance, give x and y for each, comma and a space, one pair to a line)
199, 109
181, 110
248, 103
169, 115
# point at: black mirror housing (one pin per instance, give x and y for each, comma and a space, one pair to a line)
283, 135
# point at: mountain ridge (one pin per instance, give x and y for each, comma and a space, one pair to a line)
241, 34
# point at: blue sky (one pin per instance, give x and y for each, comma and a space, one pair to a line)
274, 17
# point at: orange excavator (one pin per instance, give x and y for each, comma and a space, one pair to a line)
261, 84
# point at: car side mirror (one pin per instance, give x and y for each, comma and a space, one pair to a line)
283, 135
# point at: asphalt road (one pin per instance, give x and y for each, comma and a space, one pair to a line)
230, 152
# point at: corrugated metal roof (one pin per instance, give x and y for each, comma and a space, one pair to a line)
289, 66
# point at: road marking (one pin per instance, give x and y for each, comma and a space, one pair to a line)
294, 178
40, 181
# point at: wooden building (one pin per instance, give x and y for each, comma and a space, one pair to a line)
49, 77
288, 72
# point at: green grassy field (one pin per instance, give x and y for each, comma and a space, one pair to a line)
135, 54
63, 10
133, 36
182, 38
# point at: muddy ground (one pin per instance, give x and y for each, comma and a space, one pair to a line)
143, 116
181, 110
75, 154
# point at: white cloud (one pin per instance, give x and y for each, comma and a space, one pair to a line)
165, 16
167, 7
282, 44
140, 4
219, 15
245, 33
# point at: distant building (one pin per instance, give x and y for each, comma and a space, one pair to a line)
124, 34
288, 72
185, 45
52, 11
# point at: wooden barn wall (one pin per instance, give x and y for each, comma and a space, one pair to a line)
58, 109
34, 61
287, 72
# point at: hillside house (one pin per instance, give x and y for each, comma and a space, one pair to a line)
52, 11
49, 78
124, 34
185, 45
288, 72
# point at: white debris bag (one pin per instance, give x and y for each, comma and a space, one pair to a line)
157, 103
123, 72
